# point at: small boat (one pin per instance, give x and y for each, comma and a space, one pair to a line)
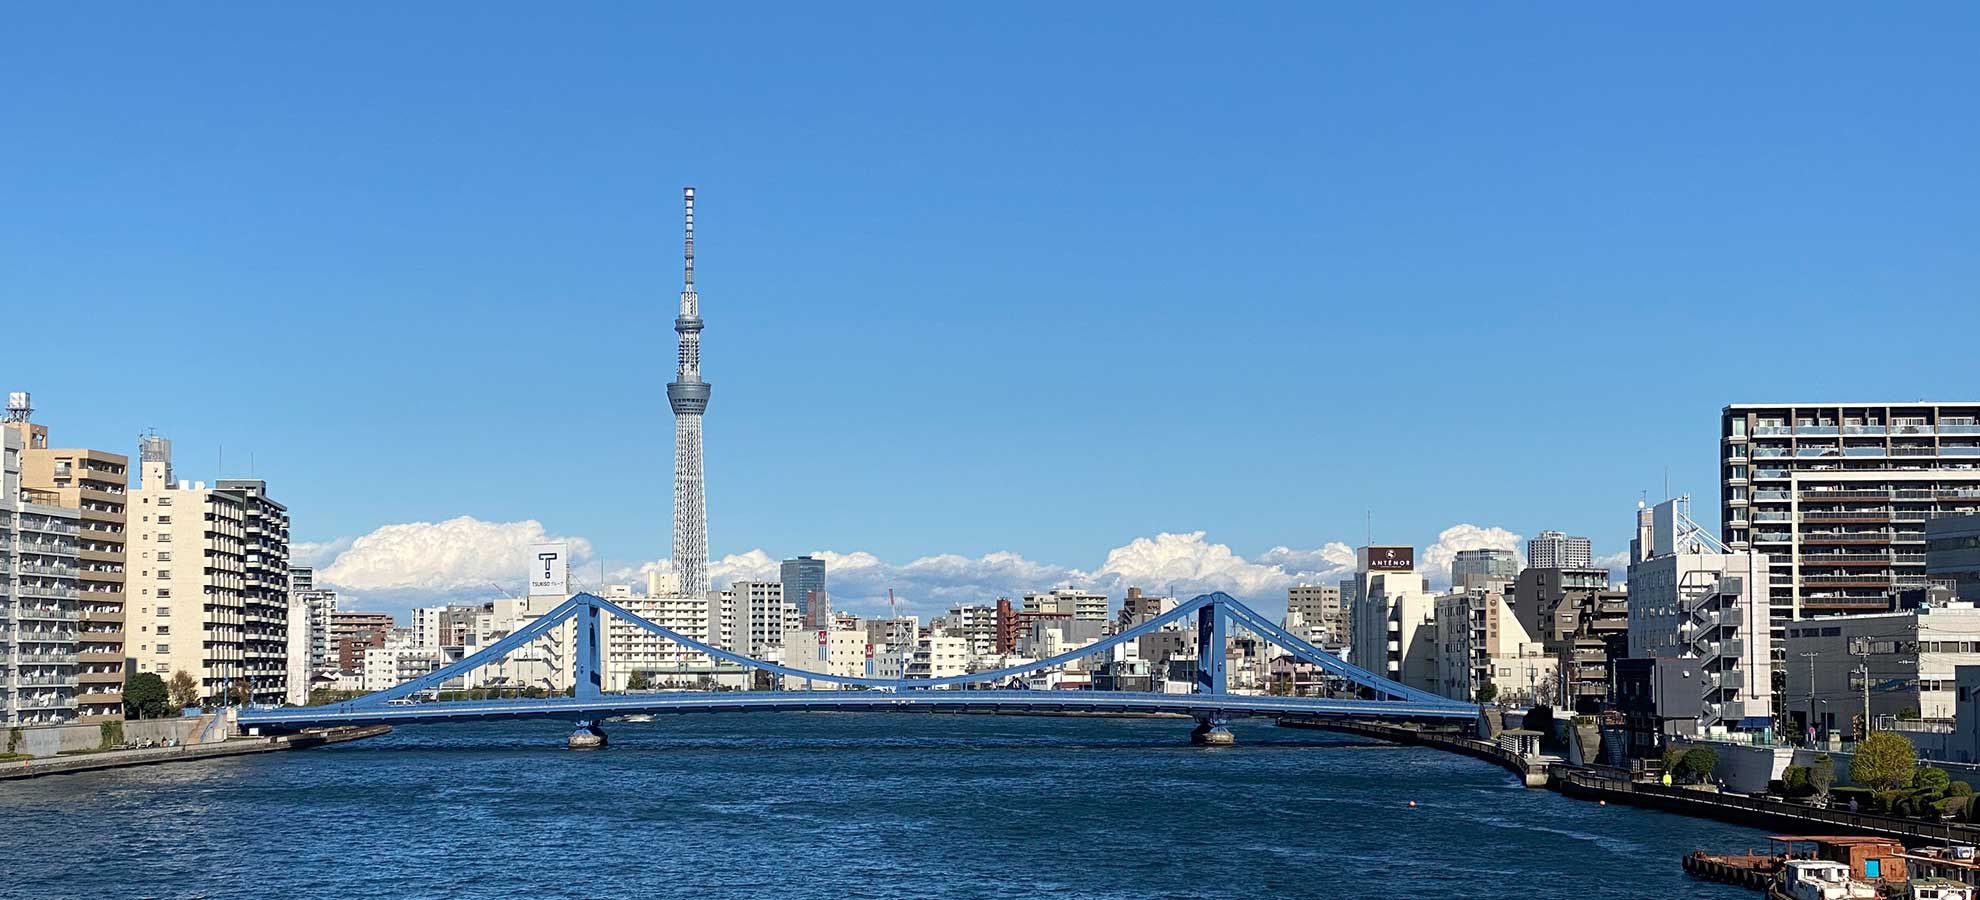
1819, 879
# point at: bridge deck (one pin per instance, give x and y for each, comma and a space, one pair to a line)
1100, 702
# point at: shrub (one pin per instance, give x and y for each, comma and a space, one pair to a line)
1795, 783
1959, 789
1931, 778
1954, 807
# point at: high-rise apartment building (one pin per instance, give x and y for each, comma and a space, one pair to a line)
804, 586
94, 483
185, 576
39, 596
1476, 567
264, 588
1837, 496
1554, 550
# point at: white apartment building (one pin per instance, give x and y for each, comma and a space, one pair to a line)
1687, 601
302, 625
1554, 550
761, 615
39, 593
399, 661
938, 656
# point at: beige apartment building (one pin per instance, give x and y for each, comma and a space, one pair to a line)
186, 576
94, 484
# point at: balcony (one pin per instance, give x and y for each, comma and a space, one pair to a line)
1772, 431
1815, 452
1847, 515
1911, 429
45, 614
1863, 429
1865, 451
1771, 473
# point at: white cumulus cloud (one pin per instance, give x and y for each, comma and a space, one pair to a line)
464, 560
422, 563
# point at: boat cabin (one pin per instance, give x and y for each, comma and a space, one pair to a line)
1955, 863
1937, 889
1871, 859
1820, 879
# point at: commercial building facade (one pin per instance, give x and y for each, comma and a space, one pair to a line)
1314, 614
803, 579
1693, 601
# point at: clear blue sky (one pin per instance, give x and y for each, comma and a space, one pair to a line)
1020, 278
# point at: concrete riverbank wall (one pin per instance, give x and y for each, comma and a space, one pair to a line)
55, 740
118, 759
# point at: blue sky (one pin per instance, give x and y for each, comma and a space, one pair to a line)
1021, 279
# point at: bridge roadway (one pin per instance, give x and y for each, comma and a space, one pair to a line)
1200, 705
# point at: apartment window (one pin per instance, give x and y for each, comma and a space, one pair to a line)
1738, 427
165, 611
164, 556
165, 648
164, 574
164, 520
164, 630
164, 593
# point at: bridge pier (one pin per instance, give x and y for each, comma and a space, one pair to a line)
590, 735
1212, 731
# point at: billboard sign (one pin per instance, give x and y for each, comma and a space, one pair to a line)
1389, 559
549, 570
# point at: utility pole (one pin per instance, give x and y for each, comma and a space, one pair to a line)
1811, 695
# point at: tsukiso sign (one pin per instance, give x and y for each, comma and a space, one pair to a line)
1390, 559
549, 569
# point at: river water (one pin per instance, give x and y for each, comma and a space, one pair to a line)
839, 806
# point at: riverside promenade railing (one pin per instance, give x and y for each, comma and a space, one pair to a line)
1762, 811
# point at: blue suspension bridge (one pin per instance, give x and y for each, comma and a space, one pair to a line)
1357, 694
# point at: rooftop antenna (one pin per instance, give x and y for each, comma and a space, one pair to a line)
1368, 522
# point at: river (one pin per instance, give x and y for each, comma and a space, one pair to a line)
839, 806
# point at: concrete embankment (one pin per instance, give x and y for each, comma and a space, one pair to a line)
1531, 771
118, 759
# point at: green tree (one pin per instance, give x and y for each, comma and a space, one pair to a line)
1931, 780
145, 696
184, 689
1884, 760
1696, 765
1822, 775
638, 681
1488, 692
1959, 789
240, 693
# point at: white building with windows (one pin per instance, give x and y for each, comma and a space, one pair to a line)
1693, 599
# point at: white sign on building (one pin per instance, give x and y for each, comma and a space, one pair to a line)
549, 570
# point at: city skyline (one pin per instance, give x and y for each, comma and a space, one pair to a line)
952, 346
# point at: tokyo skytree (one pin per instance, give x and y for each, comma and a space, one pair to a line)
688, 395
